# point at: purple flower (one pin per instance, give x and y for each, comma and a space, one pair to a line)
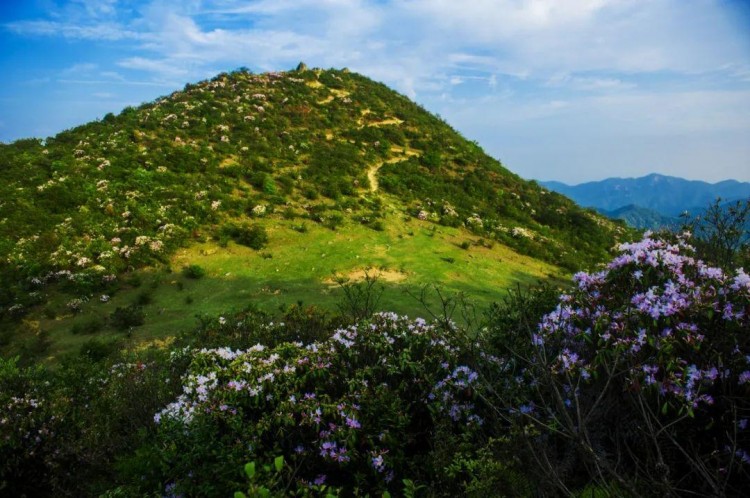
353, 423
320, 479
526, 409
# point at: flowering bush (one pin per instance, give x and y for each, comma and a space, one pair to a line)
362, 429
61, 431
645, 368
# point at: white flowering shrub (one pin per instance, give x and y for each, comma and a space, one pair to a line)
356, 410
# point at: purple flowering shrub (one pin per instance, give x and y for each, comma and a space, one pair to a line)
356, 410
643, 372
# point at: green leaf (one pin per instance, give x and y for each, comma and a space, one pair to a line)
239, 494
386, 494
278, 463
250, 469
664, 408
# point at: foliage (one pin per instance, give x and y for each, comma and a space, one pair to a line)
82, 207
194, 271
363, 430
360, 298
633, 382
125, 318
640, 377
252, 236
63, 430
722, 233
277, 480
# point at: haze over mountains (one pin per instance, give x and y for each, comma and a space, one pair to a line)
651, 201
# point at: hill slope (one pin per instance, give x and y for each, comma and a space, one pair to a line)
303, 155
667, 195
642, 218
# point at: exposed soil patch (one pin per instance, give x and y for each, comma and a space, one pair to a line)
390, 121
359, 275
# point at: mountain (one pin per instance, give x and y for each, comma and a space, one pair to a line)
264, 185
642, 218
667, 195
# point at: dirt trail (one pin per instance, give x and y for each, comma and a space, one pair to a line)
360, 274
372, 172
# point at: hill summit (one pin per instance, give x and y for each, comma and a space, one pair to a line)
254, 159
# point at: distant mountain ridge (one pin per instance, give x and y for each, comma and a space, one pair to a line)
664, 196
640, 217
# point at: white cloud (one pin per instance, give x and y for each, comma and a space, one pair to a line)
79, 69
559, 71
160, 67
99, 31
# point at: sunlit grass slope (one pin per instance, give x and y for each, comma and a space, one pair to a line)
303, 267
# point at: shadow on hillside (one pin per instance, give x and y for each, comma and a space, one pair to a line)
175, 302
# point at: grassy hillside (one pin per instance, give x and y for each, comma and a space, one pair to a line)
318, 171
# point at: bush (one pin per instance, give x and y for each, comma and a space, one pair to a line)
125, 318
193, 271
722, 233
641, 377
144, 298
365, 430
96, 351
333, 220
90, 326
253, 236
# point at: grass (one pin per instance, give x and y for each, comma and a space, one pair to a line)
301, 268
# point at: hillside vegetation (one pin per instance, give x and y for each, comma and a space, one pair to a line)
193, 296
283, 164
633, 383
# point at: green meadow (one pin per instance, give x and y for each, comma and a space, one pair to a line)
303, 263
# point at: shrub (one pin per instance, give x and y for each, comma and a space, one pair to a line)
253, 236
193, 271
96, 350
333, 220
125, 318
144, 298
641, 377
365, 430
90, 326
722, 233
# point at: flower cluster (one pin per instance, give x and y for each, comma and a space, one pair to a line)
295, 391
663, 312
661, 326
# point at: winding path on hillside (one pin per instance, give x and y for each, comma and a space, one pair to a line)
372, 171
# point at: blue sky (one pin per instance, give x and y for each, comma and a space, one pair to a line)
570, 90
